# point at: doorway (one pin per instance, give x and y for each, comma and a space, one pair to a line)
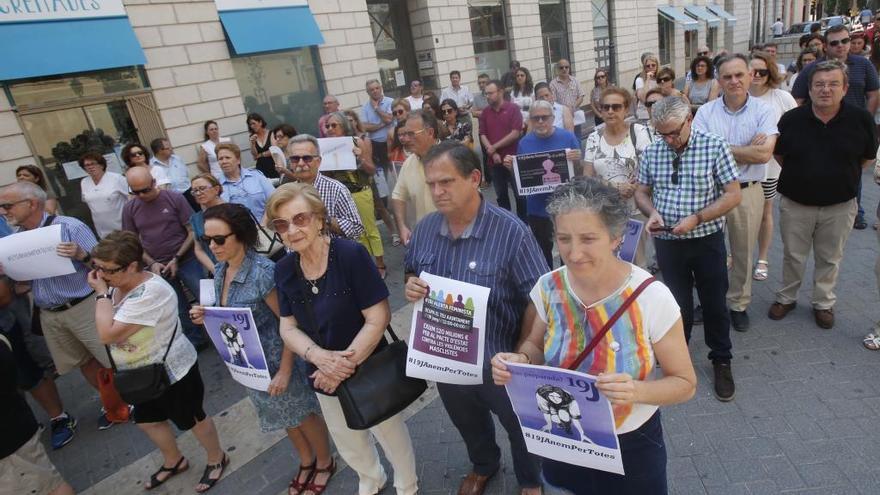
554, 32
392, 37
603, 37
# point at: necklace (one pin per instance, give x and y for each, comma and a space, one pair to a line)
314, 285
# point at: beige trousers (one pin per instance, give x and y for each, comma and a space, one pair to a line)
358, 451
72, 337
824, 229
743, 223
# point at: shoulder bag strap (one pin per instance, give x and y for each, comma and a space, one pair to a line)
49, 220
610, 323
164, 356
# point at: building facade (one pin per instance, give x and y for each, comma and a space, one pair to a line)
134, 70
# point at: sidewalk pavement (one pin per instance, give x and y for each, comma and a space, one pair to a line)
803, 420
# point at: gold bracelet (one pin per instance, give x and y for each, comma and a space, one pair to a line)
528, 358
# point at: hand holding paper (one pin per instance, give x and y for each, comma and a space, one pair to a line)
500, 374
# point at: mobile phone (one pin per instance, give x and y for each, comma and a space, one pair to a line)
662, 228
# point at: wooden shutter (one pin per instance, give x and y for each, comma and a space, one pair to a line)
146, 117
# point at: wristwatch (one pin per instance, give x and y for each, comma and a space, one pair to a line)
102, 296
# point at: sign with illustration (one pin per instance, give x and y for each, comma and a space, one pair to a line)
234, 335
539, 173
632, 235
448, 332
337, 153
564, 417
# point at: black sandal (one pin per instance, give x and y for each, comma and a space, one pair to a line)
206, 476
154, 478
300, 486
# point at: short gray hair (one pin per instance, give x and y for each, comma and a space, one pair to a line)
595, 196
371, 81
342, 120
670, 109
27, 190
828, 66
542, 105
304, 138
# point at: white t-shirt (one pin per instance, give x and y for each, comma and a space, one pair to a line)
211, 152
617, 164
641, 109
105, 200
415, 103
646, 321
780, 101
152, 304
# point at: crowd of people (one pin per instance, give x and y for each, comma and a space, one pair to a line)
701, 169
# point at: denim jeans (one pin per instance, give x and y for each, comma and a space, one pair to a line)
502, 178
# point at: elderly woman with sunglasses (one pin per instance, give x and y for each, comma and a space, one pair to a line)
206, 190
334, 310
244, 279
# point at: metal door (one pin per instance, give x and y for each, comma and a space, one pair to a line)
603, 37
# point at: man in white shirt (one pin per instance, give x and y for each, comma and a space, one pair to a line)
777, 28
415, 97
460, 94
177, 172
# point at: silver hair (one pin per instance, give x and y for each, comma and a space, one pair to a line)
342, 119
670, 109
371, 81
595, 196
541, 105
828, 66
332, 97
27, 190
304, 138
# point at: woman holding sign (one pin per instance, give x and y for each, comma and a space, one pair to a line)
334, 310
244, 279
570, 308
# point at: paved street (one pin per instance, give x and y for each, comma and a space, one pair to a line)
803, 420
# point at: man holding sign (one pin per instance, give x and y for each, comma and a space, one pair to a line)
543, 137
470, 240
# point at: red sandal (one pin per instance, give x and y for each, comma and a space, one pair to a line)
319, 489
296, 487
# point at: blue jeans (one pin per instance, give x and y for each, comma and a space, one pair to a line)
470, 407
502, 178
700, 262
861, 213
644, 461
189, 272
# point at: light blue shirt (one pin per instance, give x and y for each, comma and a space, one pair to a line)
251, 190
176, 170
739, 128
370, 116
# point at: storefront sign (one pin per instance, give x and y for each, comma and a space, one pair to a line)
227, 5
49, 10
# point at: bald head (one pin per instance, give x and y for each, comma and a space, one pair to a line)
141, 183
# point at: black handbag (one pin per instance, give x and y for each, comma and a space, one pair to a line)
379, 387
268, 242
140, 385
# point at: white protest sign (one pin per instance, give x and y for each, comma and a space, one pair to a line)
448, 332
541, 173
564, 417
337, 153
30, 255
206, 292
234, 335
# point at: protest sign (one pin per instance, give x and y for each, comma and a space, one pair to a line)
448, 332
234, 334
539, 173
30, 255
564, 417
206, 292
632, 235
337, 153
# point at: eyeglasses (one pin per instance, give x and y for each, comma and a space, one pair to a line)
304, 158
410, 134
331, 125
540, 118
200, 190
218, 239
611, 106
664, 80
107, 271
282, 225
760, 72
702, 54
138, 192
136, 153
447, 111
844, 41
399, 112
831, 85
649, 104
673, 134
676, 162
8, 206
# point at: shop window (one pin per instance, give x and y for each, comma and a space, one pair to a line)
490, 37
690, 45
554, 31
71, 87
665, 30
283, 87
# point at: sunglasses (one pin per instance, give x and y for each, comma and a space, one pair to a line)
664, 80
8, 206
649, 104
844, 41
540, 118
282, 225
138, 192
218, 239
702, 54
137, 153
331, 125
399, 112
761, 72
611, 106
676, 163
307, 159
107, 271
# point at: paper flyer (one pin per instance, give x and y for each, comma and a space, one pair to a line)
234, 334
448, 332
337, 153
540, 173
31, 255
564, 417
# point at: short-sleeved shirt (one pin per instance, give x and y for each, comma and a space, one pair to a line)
561, 139
161, 223
350, 285
498, 251
571, 325
617, 164
370, 116
159, 175
495, 124
176, 171
462, 97
251, 190
412, 189
567, 93
706, 165
862, 77
822, 163
738, 128
105, 200
153, 304
340, 205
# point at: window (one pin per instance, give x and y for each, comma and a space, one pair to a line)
690, 45
283, 87
554, 31
712, 38
665, 30
71, 87
490, 37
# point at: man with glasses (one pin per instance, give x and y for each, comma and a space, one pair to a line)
687, 182
863, 89
66, 302
565, 88
331, 104
304, 158
748, 124
501, 125
411, 199
415, 97
377, 118
818, 200
480, 100
175, 169
161, 219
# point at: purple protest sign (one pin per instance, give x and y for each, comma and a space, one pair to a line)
632, 235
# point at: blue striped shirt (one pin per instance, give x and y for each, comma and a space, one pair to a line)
55, 291
497, 251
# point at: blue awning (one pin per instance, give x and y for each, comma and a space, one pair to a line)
700, 12
729, 18
34, 49
678, 16
265, 30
